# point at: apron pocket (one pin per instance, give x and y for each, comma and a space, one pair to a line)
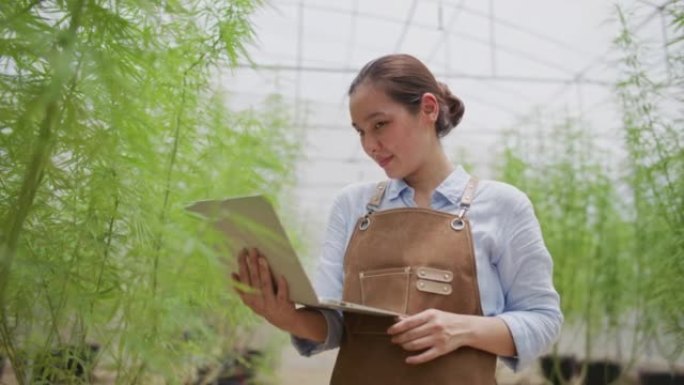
386, 288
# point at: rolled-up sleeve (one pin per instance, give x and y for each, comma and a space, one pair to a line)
332, 340
532, 305
328, 281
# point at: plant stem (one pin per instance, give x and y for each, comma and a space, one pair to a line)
34, 173
33, 177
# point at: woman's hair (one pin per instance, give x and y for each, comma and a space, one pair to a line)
405, 79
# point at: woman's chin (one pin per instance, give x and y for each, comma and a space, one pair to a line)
392, 173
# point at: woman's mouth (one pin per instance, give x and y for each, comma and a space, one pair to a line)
384, 161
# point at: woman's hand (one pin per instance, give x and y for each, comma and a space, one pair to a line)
266, 299
435, 332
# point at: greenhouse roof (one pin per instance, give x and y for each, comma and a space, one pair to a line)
508, 60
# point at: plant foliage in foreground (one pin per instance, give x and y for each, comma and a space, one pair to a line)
109, 125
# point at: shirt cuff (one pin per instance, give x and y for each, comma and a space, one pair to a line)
520, 339
307, 347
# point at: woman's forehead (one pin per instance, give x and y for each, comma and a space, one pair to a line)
369, 97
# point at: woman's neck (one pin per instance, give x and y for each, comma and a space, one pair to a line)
430, 175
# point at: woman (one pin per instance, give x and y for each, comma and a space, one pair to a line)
464, 259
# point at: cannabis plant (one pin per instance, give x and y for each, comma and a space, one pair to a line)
580, 211
615, 225
110, 124
651, 102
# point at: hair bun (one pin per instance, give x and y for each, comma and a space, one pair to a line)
453, 112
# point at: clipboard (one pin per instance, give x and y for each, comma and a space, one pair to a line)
251, 221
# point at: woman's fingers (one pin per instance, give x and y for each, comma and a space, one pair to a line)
242, 267
283, 290
269, 297
266, 282
249, 276
247, 298
425, 356
410, 322
416, 333
253, 269
421, 343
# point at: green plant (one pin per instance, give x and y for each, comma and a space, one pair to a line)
615, 227
655, 143
109, 125
580, 212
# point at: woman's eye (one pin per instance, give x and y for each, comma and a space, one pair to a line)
379, 125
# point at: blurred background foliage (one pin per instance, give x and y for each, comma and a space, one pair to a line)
616, 228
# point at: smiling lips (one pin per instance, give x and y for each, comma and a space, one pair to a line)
384, 161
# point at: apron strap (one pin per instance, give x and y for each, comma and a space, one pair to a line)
375, 201
468, 196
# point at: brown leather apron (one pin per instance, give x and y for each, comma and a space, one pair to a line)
409, 260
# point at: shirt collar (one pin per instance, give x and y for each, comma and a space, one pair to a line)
396, 188
451, 188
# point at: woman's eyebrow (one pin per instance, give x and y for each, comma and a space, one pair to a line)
369, 117
373, 115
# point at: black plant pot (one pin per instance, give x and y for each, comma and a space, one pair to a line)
558, 369
660, 378
602, 372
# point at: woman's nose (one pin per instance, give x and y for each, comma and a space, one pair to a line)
371, 144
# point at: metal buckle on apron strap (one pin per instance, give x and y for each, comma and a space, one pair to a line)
458, 223
365, 222
373, 205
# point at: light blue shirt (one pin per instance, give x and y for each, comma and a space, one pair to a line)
514, 268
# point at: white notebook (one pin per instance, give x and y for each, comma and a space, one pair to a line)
251, 221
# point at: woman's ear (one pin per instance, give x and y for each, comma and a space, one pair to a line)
429, 106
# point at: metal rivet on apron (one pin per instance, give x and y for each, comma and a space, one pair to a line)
364, 223
446, 276
457, 224
421, 284
445, 289
422, 274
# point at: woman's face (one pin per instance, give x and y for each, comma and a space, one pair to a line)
396, 139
